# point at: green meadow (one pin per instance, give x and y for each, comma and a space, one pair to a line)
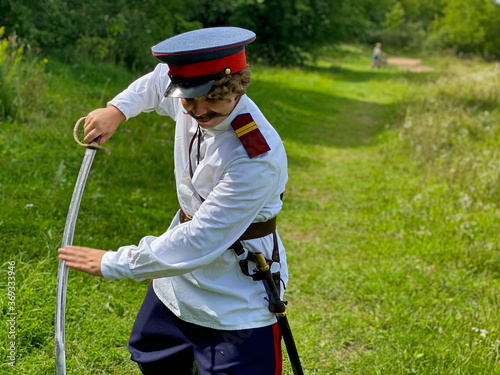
391, 215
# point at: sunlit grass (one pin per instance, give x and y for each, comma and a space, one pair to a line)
390, 220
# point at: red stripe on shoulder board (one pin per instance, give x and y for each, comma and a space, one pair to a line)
249, 134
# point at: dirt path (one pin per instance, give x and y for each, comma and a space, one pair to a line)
406, 63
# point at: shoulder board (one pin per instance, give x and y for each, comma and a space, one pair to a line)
249, 134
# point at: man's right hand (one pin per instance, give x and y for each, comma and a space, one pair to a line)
102, 122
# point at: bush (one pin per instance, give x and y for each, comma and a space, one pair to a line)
22, 80
471, 27
7, 91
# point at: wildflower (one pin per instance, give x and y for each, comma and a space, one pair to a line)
482, 332
45, 60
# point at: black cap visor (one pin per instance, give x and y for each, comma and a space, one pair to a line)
188, 90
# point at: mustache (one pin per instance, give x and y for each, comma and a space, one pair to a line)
207, 116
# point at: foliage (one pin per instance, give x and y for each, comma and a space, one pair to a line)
290, 32
6, 86
403, 26
118, 31
128, 30
464, 26
472, 26
399, 33
21, 81
423, 11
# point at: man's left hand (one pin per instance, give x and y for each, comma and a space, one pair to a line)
83, 259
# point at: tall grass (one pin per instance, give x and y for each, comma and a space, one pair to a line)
445, 223
452, 130
390, 219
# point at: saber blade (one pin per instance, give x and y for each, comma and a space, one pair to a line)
62, 272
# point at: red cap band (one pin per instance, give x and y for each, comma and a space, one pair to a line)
236, 63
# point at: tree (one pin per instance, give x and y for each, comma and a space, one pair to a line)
116, 30
290, 31
471, 26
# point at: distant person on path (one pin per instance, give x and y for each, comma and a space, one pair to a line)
377, 56
230, 171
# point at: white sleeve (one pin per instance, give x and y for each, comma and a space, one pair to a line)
240, 195
146, 94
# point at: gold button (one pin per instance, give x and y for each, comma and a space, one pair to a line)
228, 71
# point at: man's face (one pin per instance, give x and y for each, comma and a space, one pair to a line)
209, 112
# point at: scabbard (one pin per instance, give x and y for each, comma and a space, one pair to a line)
291, 349
62, 272
279, 310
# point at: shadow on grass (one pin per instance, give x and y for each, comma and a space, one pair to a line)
314, 118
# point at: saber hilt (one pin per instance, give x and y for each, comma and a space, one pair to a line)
93, 145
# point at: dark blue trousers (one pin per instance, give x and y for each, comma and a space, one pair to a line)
163, 344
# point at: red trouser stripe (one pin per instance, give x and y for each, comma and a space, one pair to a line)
277, 349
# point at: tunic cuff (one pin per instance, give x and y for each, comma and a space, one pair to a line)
127, 108
115, 266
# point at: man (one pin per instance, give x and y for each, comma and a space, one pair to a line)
230, 172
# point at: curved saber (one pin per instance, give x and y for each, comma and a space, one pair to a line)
62, 272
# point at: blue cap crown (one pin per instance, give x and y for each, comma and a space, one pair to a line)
197, 58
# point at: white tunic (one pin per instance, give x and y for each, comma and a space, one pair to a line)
195, 274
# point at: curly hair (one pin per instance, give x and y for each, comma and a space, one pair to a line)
231, 84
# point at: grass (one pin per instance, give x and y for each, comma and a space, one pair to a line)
390, 220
